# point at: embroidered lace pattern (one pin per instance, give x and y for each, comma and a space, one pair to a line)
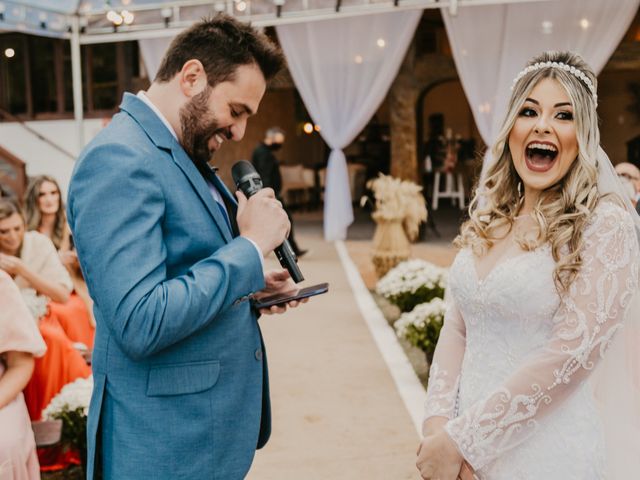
514, 355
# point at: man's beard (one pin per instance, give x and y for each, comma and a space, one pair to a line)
198, 126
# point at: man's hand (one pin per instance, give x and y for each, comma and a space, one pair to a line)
438, 457
262, 219
278, 281
12, 265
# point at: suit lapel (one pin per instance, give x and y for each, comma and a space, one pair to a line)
200, 186
163, 139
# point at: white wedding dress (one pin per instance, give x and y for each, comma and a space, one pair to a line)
511, 365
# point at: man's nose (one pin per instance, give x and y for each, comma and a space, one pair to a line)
238, 129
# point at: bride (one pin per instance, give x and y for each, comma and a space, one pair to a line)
535, 373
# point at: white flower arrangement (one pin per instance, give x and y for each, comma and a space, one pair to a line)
71, 406
74, 396
422, 315
413, 282
37, 304
421, 327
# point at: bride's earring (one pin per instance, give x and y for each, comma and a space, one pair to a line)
520, 188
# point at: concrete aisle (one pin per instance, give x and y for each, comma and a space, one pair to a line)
336, 411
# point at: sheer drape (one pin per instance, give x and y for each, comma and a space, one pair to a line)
491, 44
343, 69
152, 50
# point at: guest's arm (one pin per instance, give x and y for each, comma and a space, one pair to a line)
51, 288
16, 377
116, 212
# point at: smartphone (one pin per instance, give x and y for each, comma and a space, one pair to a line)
282, 298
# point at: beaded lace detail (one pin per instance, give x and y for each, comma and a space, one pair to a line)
514, 355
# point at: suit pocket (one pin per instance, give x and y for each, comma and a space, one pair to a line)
182, 379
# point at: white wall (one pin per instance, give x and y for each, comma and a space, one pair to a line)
40, 157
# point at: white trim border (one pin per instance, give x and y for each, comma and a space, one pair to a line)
409, 387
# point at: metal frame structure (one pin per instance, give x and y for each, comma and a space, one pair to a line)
83, 23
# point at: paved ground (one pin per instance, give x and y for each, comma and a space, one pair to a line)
337, 414
336, 411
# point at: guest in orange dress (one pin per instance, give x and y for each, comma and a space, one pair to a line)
19, 343
32, 260
45, 213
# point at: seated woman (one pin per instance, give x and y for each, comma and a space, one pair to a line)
19, 343
31, 259
44, 212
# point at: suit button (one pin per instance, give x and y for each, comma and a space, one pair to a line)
258, 354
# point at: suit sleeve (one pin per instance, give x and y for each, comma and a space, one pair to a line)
116, 208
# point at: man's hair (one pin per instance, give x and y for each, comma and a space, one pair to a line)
221, 44
273, 131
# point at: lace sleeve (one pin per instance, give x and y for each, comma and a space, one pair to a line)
444, 375
588, 317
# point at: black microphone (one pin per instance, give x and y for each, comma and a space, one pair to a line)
249, 182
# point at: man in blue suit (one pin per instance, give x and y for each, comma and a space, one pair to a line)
171, 260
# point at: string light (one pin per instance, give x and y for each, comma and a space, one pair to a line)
128, 17
9, 53
308, 128
547, 27
381, 42
584, 23
358, 59
317, 128
241, 6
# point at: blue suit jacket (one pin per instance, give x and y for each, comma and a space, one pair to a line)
181, 387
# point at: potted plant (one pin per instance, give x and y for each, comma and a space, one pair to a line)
421, 327
71, 406
399, 210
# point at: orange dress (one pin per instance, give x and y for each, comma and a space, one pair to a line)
74, 319
61, 364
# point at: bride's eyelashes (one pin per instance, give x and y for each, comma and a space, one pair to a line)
561, 115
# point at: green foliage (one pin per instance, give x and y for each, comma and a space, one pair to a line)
74, 429
407, 301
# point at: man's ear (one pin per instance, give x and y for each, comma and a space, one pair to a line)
192, 78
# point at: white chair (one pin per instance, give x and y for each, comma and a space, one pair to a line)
453, 189
297, 181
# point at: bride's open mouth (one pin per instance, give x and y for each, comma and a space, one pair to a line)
540, 156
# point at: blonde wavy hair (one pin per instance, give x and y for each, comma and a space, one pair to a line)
562, 210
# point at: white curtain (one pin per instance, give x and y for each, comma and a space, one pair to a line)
491, 44
152, 50
343, 69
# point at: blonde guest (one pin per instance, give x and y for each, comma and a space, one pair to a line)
19, 343
30, 257
44, 211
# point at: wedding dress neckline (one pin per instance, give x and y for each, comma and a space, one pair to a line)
501, 263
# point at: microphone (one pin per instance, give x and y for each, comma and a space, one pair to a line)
249, 182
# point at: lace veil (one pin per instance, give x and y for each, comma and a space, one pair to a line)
616, 381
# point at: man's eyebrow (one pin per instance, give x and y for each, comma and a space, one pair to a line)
561, 104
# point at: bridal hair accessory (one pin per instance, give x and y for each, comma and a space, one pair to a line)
579, 74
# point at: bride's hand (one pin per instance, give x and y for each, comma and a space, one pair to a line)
466, 472
438, 457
